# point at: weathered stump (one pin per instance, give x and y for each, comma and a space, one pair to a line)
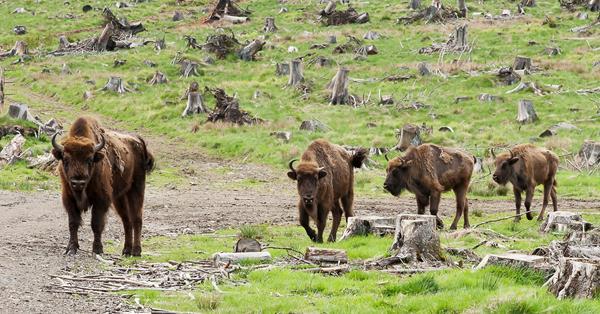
331, 39
339, 87
269, 25
158, 78
63, 42
460, 41
65, 70
195, 104
370, 35
285, 136
526, 112
329, 8
522, 63
103, 41
398, 230
590, 152
408, 135
364, 225
227, 109
528, 3
160, 44
189, 68
236, 258
115, 84
506, 76
419, 242
248, 53
563, 221
12, 151
321, 255
247, 245
296, 77
227, 10
576, 278
462, 8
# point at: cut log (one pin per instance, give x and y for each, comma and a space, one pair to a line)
234, 19
296, 74
269, 25
195, 104
158, 78
322, 255
236, 258
282, 69
526, 112
188, 68
313, 125
576, 278
247, 245
563, 221
513, 259
339, 87
115, 84
522, 63
419, 242
398, 236
457, 42
45, 162
408, 135
364, 225
248, 53
590, 152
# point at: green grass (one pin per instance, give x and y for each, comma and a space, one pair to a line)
477, 125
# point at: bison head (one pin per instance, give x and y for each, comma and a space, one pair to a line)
307, 175
504, 167
79, 156
397, 175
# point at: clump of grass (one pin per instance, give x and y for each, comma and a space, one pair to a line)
425, 284
515, 307
489, 282
477, 212
488, 189
208, 301
520, 275
253, 231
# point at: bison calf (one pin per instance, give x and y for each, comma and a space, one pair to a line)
325, 178
99, 168
428, 170
525, 167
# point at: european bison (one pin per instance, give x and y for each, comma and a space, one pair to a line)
98, 168
325, 177
428, 170
525, 167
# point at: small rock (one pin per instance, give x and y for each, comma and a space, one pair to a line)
292, 49
20, 30
177, 16
313, 126
282, 135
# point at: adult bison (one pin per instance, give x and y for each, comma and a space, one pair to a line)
428, 170
98, 168
325, 178
525, 167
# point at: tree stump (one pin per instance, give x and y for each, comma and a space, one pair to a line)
526, 112
460, 41
158, 78
195, 104
63, 42
269, 25
249, 51
227, 109
415, 4
590, 152
339, 87
364, 225
296, 76
191, 42
321, 255
321, 61
87, 95
408, 135
65, 70
12, 151
227, 10
462, 8
236, 258
563, 221
115, 84
576, 278
370, 35
20, 111
329, 8
431, 220
522, 63
247, 245
188, 68
177, 16
285, 136
103, 41
419, 241
331, 39
282, 69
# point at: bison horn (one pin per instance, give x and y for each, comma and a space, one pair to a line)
55, 144
386, 157
100, 145
512, 155
291, 164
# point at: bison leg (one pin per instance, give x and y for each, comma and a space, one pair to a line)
547, 190
347, 203
528, 199
461, 195
136, 210
322, 213
121, 206
74, 223
305, 222
434, 203
337, 217
517, 193
553, 196
422, 202
98, 223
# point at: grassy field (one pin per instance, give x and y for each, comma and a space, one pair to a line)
286, 290
477, 125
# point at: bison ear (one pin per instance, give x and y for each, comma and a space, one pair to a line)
322, 173
292, 175
513, 160
98, 156
58, 154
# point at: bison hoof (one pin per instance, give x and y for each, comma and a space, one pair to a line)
529, 216
452, 227
97, 248
136, 251
71, 250
126, 251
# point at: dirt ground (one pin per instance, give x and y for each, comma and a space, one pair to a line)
34, 232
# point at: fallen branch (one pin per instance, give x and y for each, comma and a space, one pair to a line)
500, 219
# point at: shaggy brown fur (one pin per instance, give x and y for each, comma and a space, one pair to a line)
99, 168
325, 178
525, 167
428, 170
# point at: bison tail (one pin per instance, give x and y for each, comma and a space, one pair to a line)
359, 157
148, 157
554, 184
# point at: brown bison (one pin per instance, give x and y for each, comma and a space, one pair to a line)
428, 170
525, 167
98, 168
325, 178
